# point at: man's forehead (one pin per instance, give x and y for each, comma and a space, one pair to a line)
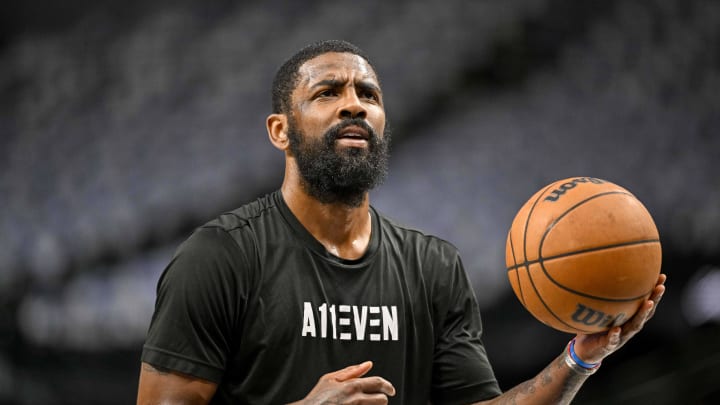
334, 65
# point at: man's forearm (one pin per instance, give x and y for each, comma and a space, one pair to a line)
558, 383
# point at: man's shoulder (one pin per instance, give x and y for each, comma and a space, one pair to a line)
413, 236
246, 214
236, 230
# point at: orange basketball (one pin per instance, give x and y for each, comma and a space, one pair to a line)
582, 255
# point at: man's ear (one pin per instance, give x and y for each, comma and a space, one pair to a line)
277, 127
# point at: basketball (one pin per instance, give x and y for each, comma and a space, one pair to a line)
582, 255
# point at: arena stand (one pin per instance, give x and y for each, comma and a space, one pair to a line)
120, 136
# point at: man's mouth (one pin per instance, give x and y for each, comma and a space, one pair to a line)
353, 135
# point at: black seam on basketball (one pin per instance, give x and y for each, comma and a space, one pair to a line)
540, 297
541, 260
586, 295
527, 221
524, 241
517, 273
524, 246
595, 249
527, 265
579, 203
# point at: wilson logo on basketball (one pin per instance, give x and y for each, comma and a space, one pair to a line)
592, 317
558, 192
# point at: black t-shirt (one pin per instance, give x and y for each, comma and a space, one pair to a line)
253, 302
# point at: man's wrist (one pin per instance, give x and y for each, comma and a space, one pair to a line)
576, 364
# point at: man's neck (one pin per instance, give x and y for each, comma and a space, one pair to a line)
343, 230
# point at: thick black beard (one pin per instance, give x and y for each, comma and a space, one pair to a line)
344, 175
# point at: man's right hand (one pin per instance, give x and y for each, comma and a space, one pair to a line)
348, 386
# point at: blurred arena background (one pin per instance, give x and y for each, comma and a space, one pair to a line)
123, 125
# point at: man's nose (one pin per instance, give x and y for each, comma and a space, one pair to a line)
352, 107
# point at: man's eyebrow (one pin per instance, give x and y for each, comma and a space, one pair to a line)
367, 85
363, 84
328, 83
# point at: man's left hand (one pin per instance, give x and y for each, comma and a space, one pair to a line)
593, 348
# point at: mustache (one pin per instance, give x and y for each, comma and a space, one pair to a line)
334, 132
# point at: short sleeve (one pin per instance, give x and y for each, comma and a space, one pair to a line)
461, 371
200, 298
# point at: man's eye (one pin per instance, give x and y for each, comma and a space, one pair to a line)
326, 93
370, 95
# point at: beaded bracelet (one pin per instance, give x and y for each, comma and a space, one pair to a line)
577, 365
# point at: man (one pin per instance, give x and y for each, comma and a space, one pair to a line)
310, 295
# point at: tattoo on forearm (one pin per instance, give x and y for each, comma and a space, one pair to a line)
541, 385
525, 388
573, 382
546, 377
